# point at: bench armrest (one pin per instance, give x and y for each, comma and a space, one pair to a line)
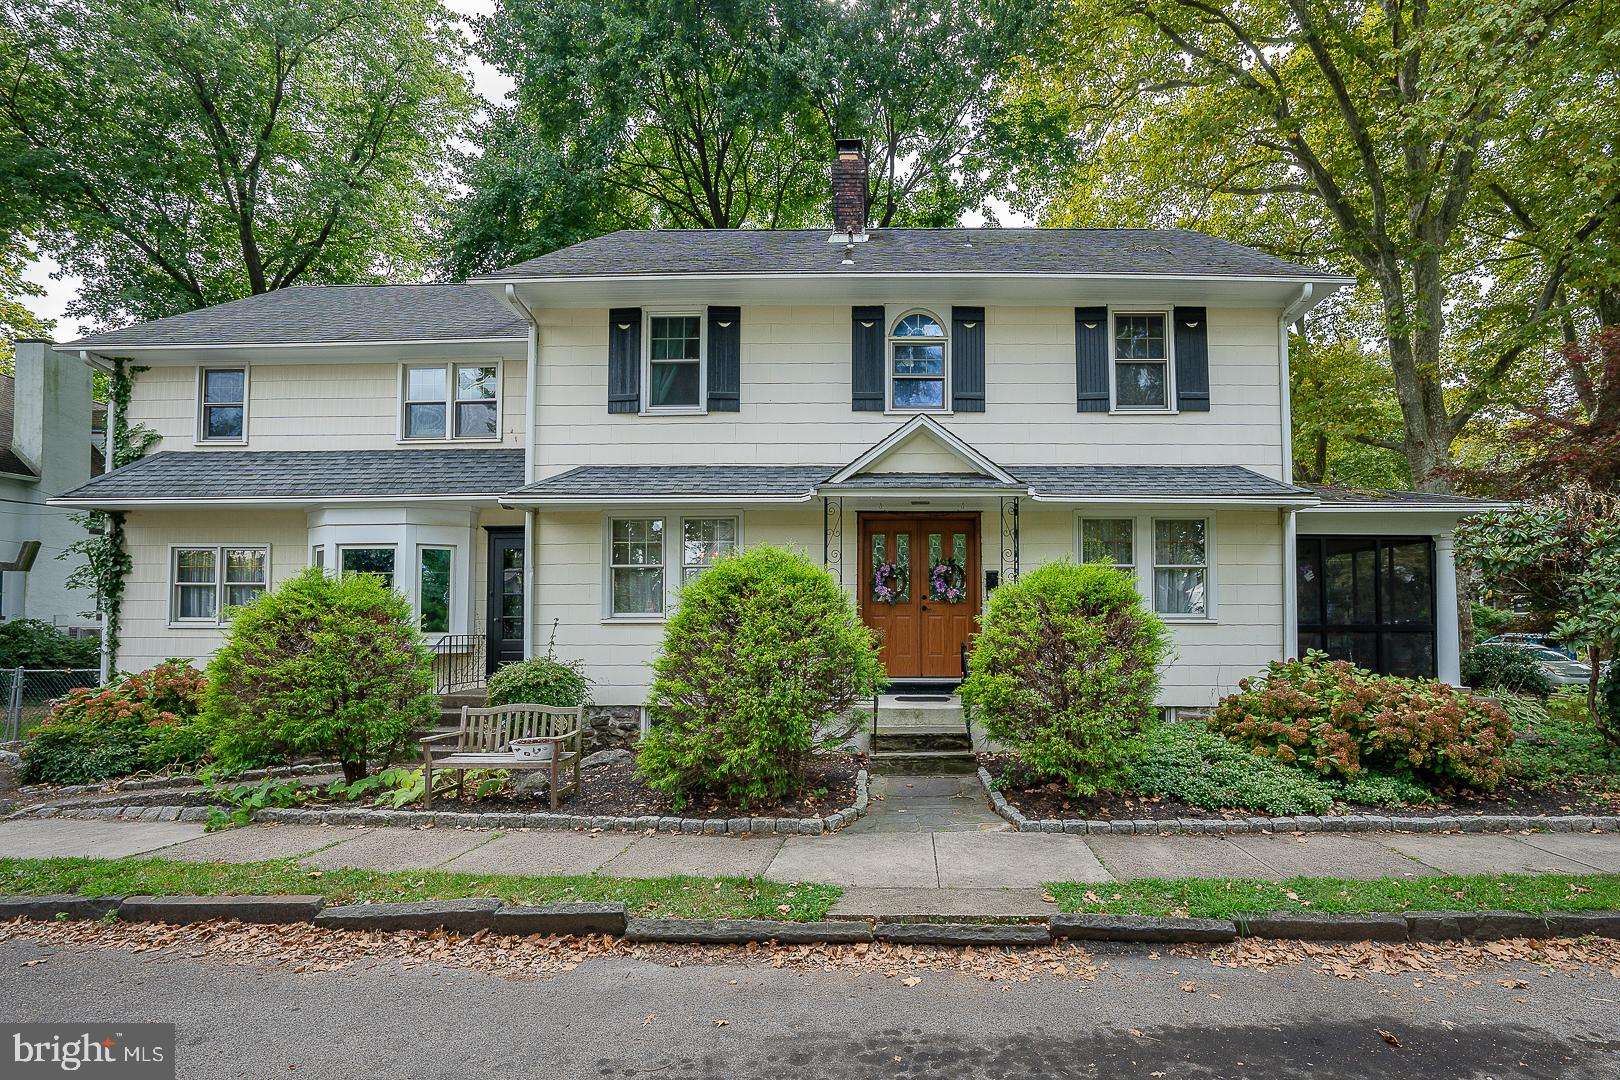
441, 737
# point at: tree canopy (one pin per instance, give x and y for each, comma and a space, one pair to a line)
178, 153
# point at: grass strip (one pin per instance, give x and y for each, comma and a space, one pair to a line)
1220, 898
674, 897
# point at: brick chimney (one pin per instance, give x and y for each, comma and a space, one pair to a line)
849, 190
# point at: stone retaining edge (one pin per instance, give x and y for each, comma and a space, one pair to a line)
737, 826
1342, 823
474, 914
147, 783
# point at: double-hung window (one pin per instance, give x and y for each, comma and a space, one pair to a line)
451, 401
917, 363
1109, 540
675, 362
368, 560
703, 540
222, 405
208, 580
1181, 566
636, 567
1141, 362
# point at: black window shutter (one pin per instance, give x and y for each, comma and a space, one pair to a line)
725, 358
866, 360
967, 359
1192, 359
624, 360
1091, 359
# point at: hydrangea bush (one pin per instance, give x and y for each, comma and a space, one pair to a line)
1341, 721
144, 721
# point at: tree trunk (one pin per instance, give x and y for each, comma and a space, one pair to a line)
354, 770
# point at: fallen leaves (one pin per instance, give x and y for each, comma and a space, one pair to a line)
1389, 1037
910, 980
1189, 987
1445, 961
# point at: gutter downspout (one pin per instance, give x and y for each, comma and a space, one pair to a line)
1290, 522
104, 652
531, 431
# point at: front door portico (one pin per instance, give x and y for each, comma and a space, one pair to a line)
919, 589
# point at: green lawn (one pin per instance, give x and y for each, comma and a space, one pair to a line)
688, 897
1220, 898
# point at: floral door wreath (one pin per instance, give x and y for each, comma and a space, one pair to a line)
890, 582
947, 582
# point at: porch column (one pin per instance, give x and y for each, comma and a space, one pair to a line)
1446, 639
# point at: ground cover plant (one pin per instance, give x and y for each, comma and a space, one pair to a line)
1064, 672
674, 897
140, 722
324, 664
763, 652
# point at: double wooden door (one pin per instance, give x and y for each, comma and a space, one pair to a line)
920, 587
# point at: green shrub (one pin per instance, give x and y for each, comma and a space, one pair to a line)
1064, 672
1489, 621
1608, 701
540, 680
1340, 720
1558, 743
331, 665
763, 649
1385, 789
35, 643
140, 722
1502, 667
1176, 761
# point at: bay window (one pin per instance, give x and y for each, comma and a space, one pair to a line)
368, 560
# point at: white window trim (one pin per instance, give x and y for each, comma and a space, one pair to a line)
673, 556
890, 341
450, 599
1170, 408
449, 369
1142, 553
218, 619
199, 434
702, 406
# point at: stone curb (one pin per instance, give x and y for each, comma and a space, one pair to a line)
737, 826
745, 931
146, 783
1082, 927
473, 915
1329, 823
248, 909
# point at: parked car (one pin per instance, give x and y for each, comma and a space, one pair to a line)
1559, 668
1523, 640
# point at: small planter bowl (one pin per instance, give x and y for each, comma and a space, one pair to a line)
532, 749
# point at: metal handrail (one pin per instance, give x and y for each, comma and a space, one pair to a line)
458, 663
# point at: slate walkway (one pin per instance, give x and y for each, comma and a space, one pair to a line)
910, 871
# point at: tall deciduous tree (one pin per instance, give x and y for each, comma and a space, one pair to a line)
16, 320
185, 152
1361, 131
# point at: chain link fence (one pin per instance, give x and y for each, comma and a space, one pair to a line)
27, 694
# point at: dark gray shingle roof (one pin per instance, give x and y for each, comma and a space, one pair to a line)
334, 313
1100, 481
1402, 500
1163, 252
242, 475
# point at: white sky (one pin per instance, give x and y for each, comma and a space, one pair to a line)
486, 80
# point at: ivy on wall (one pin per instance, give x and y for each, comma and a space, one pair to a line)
106, 563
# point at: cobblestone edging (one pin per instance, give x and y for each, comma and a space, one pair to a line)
813, 826
1343, 823
476, 914
147, 783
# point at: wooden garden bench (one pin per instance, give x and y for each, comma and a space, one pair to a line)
483, 741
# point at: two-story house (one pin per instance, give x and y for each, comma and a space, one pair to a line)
547, 452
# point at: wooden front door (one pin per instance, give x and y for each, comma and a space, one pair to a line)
920, 589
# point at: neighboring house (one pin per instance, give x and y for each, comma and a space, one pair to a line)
46, 448
552, 449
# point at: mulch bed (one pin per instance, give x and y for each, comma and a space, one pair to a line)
1048, 801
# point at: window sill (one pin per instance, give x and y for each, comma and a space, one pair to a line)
1144, 412
891, 411
219, 442
633, 620
1189, 620
674, 411
197, 625
483, 439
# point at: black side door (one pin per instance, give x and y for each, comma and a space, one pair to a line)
503, 607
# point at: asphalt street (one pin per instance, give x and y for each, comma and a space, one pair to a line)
625, 1017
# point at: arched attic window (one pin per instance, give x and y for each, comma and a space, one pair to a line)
917, 368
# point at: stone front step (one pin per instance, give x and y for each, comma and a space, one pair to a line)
922, 762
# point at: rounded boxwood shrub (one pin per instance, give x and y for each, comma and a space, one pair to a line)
1502, 667
763, 648
540, 680
1341, 720
1065, 670
144, 721
331, 665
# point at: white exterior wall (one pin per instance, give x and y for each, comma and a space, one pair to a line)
1210, 655
345, 405
795, 398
